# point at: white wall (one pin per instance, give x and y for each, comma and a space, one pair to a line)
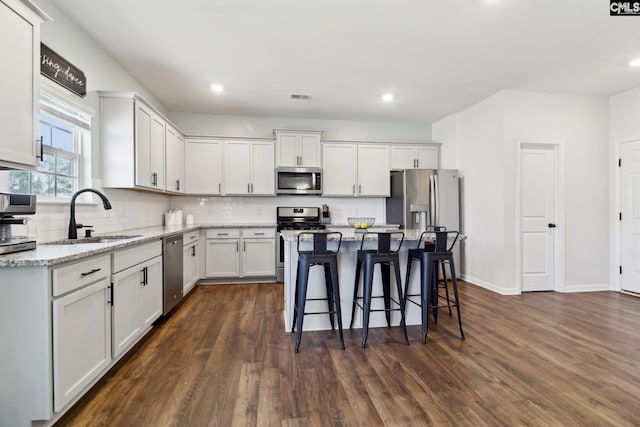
487, 137
581, 124
262, 127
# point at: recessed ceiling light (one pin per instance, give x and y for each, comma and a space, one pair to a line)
217, 87
387, 97
634, 62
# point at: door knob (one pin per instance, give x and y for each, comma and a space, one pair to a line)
551, 225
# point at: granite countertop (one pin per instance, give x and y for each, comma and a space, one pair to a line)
51, 254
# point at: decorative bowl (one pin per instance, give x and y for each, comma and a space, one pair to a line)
361, 223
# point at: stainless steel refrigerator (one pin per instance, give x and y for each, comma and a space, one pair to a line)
421, 197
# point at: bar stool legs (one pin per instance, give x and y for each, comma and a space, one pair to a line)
368, 265
333, 297
430, 265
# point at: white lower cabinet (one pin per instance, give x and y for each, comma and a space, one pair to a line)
81, 329
238, 253
190, 261
137, 294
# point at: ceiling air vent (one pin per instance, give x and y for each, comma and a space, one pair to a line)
301, 97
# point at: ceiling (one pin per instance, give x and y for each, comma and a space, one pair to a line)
436, 56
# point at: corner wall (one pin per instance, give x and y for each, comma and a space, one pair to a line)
488, 136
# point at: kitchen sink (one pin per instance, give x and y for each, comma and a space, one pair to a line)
94, 239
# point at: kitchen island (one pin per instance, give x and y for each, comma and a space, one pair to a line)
346, 274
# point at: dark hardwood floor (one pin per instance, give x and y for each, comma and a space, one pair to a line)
540, 359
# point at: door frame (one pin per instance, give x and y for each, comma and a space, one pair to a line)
616, 226
558, 199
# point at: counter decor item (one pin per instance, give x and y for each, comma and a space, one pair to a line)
190, 220
361, 223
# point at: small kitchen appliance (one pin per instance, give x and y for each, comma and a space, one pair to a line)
293, 180
10, 205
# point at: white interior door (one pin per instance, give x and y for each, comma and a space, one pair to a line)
630, 209
537, 196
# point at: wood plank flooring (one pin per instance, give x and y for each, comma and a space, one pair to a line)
223, 359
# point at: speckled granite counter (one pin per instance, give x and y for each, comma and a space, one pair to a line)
48, 254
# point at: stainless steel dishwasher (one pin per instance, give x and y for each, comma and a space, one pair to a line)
172, 272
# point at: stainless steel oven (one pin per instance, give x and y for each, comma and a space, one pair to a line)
298, 181
294, 218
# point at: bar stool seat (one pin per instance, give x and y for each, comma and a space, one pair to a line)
432, 258
384, 256
328, 259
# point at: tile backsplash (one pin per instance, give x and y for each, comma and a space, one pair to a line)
262, 210
136, 209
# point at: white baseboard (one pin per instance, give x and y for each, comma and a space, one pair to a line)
490, 286
596, 287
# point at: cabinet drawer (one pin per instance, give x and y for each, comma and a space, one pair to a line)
259, 233
223, 233
79, 274
129, 257
191, 237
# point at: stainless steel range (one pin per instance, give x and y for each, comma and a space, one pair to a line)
294, 218
10, 205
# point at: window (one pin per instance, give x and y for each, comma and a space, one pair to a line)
66, 137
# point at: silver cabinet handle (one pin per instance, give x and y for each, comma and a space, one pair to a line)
258, 234
223, 234
359, 188
417, 163
248, 188
219, 188
252, 187
354, 189
177, 185
244, 246
237, 246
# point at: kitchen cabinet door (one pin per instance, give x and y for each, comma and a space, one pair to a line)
175, 147
81, 340
19, 85
203, 161
262, 169
428, 157
287, 150
151, 292
310, 150
222, 258
403, 157
258, 257
126, 323
339, 169
298, 149
149, 148
373, 170
237, 167
191, 266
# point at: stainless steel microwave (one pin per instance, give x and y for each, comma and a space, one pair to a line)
298, 180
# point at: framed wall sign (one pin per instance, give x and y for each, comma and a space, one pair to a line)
62, 71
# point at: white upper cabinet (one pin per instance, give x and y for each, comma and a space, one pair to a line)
203, 162
19, 84
297, 149
133, 142
249, 168
414, 157
355, 170
339, 169
374, 177
175, 149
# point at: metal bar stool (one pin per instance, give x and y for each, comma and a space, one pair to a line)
432, 257
385, 257
319, 255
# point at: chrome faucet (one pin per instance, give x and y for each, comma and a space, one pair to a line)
73, 227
